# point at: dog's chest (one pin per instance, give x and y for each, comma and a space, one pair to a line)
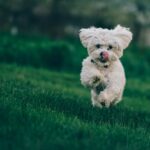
105, 82
106, 72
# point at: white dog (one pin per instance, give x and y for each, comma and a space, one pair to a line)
102, 70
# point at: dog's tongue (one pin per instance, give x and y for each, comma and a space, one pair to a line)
105, 56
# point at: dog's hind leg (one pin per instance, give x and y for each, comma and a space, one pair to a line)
94, 99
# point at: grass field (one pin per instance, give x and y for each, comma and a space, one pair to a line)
40, 109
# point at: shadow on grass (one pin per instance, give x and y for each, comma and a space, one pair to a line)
80, 107
114, 115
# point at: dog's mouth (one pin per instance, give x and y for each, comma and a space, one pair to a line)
102, 60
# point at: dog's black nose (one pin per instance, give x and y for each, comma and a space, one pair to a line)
103, 103
101, 54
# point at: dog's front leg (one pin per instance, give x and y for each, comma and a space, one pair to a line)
92, 80
90, 76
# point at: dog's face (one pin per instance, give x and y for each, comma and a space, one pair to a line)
105, 46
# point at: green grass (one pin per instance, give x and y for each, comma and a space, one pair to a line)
41, 109
41, 52
63, 54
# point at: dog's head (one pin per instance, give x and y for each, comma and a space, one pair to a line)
105, 46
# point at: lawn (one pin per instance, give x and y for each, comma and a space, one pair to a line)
40, 109
43, 109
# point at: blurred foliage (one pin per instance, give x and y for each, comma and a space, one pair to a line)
59, 18
64, 55
39, 52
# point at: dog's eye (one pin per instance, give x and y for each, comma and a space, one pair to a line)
98, 45
110, 47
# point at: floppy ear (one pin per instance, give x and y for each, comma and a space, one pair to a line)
123, 35
85, 36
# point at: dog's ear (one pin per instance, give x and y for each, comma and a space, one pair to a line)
123, 35
85, 36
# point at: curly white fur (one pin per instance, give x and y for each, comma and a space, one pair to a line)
102, 70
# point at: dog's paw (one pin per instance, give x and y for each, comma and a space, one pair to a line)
95, 81
104, 100
95, 103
